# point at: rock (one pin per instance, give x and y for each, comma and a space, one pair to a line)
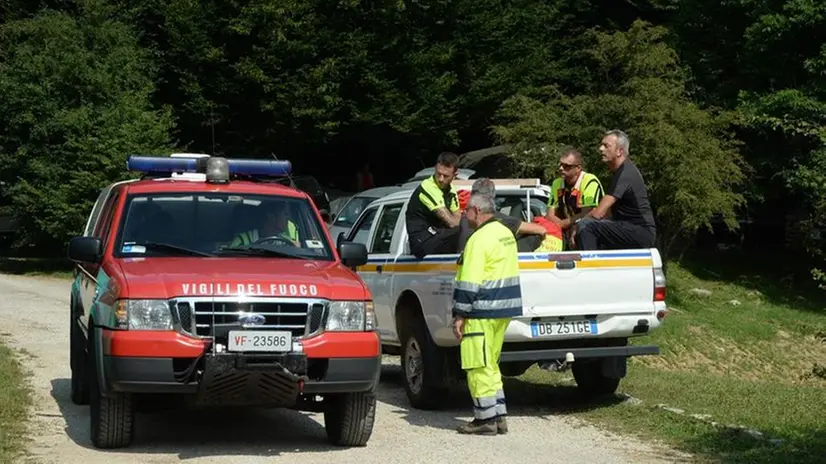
753, 294
700, 292
734, 302
753, 433
674, 410
702, 417
630, 399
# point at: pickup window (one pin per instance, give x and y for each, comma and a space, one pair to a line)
361, 232
386, 227
213, 224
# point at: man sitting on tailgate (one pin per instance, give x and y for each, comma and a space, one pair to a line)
433, 211
275, 223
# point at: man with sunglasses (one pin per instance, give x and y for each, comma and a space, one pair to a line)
573, 194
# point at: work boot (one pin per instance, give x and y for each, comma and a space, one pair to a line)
477, 427
502, 425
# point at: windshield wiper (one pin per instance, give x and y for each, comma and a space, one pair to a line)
157, 246
259, 251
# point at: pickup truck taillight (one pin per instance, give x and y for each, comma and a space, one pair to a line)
659, 285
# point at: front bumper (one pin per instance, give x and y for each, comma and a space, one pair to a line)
243, 379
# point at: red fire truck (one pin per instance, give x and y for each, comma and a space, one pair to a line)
209, 281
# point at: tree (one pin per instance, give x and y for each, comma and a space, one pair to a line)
689, 160
75, 98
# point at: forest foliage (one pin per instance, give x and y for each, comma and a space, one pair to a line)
724, 102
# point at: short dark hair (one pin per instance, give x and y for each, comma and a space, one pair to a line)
573, 152
448, 158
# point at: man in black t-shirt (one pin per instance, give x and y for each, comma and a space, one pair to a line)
632, 219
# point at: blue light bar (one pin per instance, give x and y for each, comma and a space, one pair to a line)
156, 164
248, 167
252, 167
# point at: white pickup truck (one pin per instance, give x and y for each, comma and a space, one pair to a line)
580, 308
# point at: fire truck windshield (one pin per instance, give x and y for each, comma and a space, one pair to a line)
220, 224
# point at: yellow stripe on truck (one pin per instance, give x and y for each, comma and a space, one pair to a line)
523, 265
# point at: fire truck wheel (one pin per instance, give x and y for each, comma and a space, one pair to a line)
349, 418
111, 418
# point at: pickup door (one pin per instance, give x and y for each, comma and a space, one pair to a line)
567, 295
380, 237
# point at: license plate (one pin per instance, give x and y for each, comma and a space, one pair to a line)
552, 329
259, 340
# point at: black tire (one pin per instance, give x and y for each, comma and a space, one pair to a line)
421, 382
590, 380
111, 418
349, 418
78, 363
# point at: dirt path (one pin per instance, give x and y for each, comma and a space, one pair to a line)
33, 318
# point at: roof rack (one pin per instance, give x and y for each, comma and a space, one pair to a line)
522, 183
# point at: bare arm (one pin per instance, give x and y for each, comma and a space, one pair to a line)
450, 219
567, 222
529, 228
603, 207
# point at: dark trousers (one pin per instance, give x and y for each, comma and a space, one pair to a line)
608, 234
443, 242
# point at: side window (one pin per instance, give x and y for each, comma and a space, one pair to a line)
93, 217
361, 232
384, 231
107, 214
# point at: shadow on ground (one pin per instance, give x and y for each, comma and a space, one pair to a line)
806, 446
524, 399
192, 434
227, 432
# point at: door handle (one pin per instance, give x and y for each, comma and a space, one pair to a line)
379, 268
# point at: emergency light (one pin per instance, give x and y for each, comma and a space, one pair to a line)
209, 165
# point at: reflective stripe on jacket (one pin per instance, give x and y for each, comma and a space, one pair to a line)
487, 279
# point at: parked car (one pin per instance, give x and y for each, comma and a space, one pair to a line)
463, 174
344, 218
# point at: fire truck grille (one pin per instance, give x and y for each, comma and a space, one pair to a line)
215, 319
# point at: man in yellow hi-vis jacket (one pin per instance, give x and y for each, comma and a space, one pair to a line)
487, 294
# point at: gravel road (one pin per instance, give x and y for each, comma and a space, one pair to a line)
33, 317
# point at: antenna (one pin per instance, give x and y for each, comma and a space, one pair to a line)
289, 174
212, 127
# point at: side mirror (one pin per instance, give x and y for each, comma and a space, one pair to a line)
339, 240
352, 254
85, 249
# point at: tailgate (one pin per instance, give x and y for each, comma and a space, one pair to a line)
588, 283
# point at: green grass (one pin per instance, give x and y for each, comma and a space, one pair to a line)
43, 267
14, 402
760, 364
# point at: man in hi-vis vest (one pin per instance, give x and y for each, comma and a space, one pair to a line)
486, 295
573, 194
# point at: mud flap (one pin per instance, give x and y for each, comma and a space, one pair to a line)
614, 367
98, 357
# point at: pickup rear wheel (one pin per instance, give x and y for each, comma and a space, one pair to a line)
421, 363
349, 418
111, 418
591, 381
